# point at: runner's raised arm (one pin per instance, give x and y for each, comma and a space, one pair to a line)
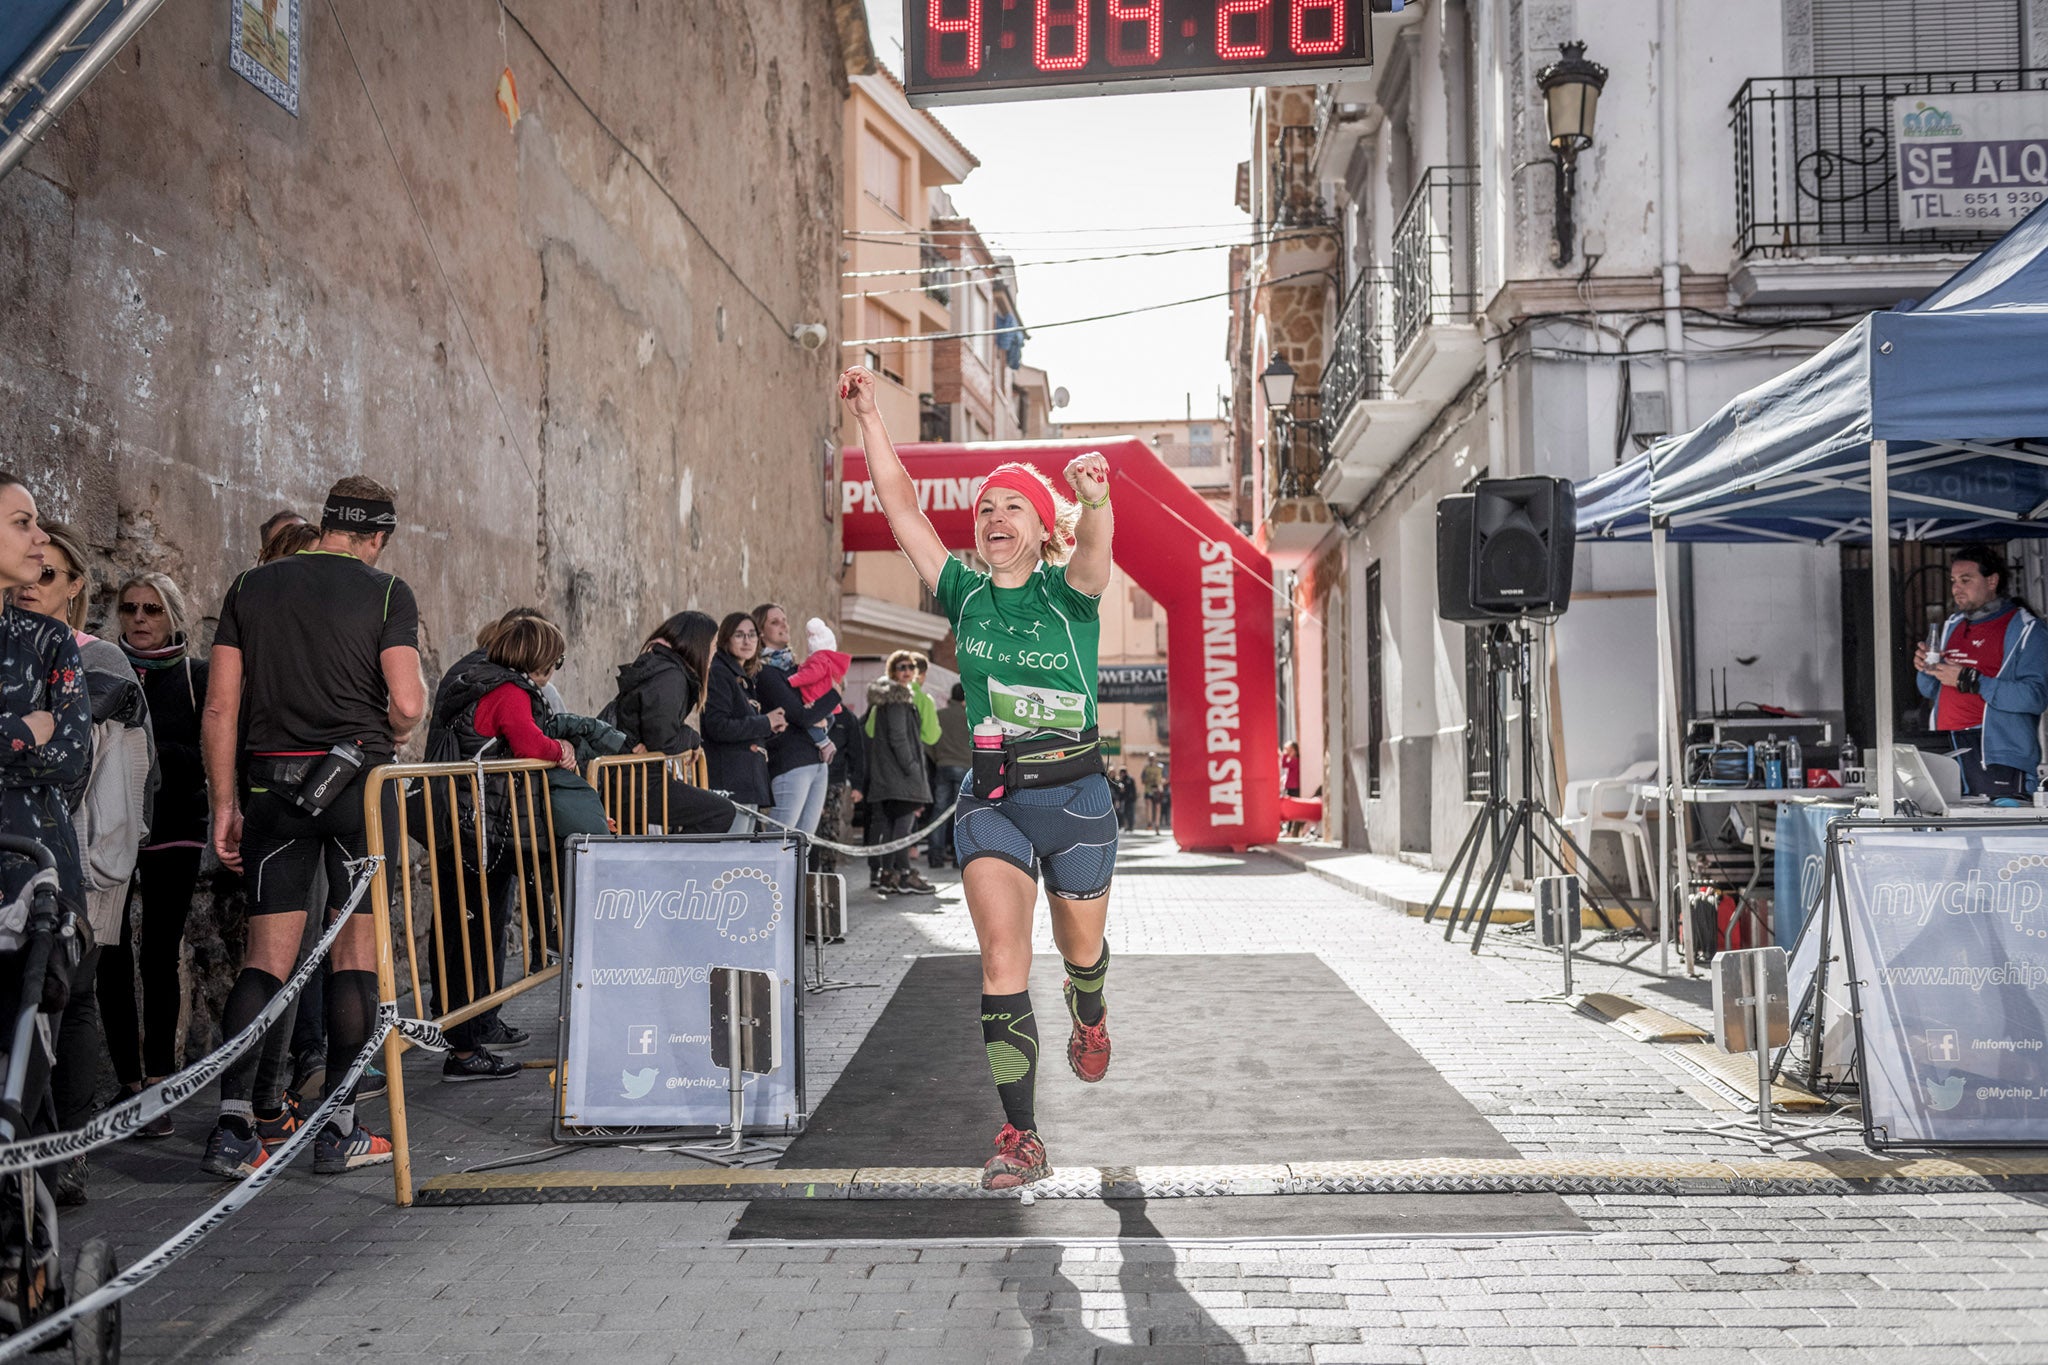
893, 484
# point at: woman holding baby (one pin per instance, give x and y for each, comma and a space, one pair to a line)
807, 694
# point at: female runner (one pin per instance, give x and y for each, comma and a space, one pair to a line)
1040, 806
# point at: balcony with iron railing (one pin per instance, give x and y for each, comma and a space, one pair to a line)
1816, 163
1361, 352
1435, 263
1293, 197
1298, 447
1293, 517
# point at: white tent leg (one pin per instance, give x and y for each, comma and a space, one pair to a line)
1880, 757
1667, 809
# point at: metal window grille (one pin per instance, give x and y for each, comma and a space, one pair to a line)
1293, 198
1300, 446
1361, 350
1815, 165
1434, 264
938, 277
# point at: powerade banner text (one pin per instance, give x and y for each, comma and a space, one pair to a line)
1216, 588
1140, 684
1977, 162
651, 918
1948, 950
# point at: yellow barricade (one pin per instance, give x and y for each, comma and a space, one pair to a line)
421, 819
634, 787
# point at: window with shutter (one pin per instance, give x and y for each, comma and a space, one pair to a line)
1857, 37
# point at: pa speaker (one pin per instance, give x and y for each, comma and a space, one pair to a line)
1523, 534
1454, 521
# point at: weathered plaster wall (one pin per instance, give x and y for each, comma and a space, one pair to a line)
214, 308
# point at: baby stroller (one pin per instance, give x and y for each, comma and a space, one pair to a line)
39, 947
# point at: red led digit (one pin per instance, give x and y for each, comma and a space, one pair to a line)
1227, 47
1297, 28
966, 29
1122, 18
1068, 16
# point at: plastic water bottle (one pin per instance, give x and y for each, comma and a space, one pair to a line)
1795, 763
1773, 756
1849, 758
988, 761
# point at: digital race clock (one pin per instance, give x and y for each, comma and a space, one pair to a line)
960, 51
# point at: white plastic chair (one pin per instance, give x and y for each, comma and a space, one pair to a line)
1611, 804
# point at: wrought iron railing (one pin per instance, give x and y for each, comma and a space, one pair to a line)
1362, 349
934, 270
1299, 446
1293, 199
1435, 266
1816, 167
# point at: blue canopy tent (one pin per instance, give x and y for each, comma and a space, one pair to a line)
1930, 420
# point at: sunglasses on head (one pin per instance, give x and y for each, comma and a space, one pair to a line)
141, 608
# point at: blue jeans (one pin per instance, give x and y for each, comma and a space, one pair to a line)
800, 797
944, 792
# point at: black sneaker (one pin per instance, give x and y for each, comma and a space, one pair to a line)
372, 1083
502, 1035
479, 1066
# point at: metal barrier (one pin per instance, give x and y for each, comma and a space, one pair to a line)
421, 819
634, 787
445, 827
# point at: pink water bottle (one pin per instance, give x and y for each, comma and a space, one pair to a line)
988, 761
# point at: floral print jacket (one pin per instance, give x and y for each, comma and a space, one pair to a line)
40, 671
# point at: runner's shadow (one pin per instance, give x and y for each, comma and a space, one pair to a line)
1168, 1325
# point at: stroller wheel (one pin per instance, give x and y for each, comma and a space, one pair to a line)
95, 1338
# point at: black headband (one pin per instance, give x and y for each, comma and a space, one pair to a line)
363, 516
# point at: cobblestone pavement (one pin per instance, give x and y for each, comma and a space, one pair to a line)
329, 1266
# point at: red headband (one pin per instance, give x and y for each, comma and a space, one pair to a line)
1028, 486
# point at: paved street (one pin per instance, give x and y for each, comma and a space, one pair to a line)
328, 1266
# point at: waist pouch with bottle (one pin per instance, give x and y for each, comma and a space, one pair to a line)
309, 781
1036, 761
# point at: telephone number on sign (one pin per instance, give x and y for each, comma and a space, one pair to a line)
2005, 198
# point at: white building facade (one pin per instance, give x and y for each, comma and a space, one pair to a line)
1735, 209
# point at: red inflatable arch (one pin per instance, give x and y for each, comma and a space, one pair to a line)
1216, 589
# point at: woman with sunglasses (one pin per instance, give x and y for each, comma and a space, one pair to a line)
736, 730
153, 617
1036, 802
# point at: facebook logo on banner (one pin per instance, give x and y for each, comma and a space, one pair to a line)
640, 1040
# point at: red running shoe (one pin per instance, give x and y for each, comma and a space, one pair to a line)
1019, 1160
1088, 1044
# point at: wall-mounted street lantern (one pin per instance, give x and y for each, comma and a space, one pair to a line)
1278, 382
1571, 89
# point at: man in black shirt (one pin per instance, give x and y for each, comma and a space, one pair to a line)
314, 651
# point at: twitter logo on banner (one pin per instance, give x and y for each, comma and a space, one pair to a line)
637, 1083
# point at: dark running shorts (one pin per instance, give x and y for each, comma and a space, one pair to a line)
1067, 832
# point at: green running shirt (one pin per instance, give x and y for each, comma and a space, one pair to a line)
1027, 655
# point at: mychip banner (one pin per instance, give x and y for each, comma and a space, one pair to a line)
650, 919
1970, 162
1948, 957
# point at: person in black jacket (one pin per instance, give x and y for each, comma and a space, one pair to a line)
657, 692
153, 619
846, 781
662, 685
736, 730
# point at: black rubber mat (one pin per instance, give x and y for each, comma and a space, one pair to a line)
1219, 1060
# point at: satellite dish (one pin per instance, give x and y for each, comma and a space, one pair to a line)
1060, 397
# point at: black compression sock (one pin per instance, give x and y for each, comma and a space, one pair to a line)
1010, 1031
351, 1014
253, 989
1086, 1000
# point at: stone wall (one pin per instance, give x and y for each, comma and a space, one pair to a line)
216, 308
562, 336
